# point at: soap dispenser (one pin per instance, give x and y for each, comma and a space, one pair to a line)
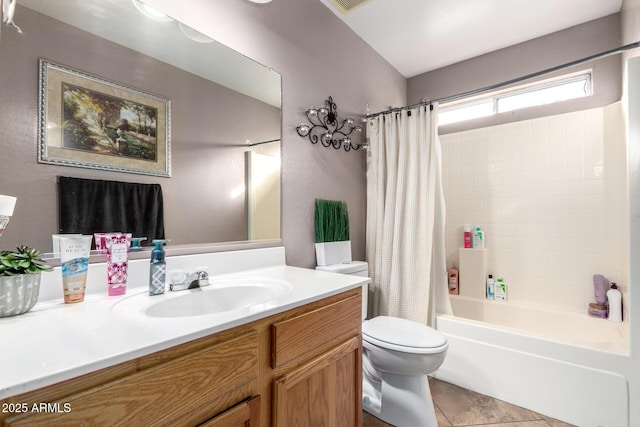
158, 271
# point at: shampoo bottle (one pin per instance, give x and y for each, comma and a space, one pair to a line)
467, 236
500, 290
454, 285
478, 238
158, 271
615, 303
490, 287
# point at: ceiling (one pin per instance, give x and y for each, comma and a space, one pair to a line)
416, 36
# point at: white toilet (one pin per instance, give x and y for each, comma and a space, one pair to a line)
397, 356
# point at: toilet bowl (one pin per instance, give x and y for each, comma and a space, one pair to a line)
397, 355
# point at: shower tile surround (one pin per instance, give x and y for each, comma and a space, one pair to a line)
550, 194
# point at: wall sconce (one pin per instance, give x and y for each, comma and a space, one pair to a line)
328, 130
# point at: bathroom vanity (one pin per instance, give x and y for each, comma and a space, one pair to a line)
292, 361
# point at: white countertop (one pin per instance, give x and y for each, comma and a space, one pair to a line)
55, 341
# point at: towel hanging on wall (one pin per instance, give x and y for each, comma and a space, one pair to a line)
88, 205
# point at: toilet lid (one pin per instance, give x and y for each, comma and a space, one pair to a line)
402, 335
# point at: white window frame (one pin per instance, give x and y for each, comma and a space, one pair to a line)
495, 97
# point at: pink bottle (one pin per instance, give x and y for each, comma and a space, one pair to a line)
117, 262
467, 236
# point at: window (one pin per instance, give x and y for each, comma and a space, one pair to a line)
541, 93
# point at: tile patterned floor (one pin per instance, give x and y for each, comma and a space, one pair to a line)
458, 407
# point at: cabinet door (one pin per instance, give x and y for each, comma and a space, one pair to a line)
244, 414
181, 392
324, 392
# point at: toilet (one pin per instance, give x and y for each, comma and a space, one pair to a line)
397, 355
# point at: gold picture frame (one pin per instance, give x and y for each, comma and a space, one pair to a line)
90, 122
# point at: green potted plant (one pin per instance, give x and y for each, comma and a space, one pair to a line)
331, 221
20, 280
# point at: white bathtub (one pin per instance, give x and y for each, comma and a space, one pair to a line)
564, 365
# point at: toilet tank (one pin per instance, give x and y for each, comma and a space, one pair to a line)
355, 268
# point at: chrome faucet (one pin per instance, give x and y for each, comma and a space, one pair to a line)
180, 281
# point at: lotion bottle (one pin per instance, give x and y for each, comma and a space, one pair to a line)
490, 287
500, 290
478, 238
454, 285
158, 271
615, 303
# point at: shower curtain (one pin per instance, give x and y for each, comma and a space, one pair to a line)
406, 216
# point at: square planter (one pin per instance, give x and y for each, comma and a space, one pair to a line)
329, 253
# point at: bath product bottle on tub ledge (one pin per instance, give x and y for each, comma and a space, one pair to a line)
478, 238
454, 284
467, 236
490, 287
615, 303
500, 290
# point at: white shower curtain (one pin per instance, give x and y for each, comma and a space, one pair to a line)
405, 216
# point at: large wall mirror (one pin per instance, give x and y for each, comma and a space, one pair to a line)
225, 120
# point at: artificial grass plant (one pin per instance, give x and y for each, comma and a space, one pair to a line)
331, 221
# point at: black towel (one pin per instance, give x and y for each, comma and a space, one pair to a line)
90, 206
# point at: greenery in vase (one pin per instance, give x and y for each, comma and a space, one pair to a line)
331, 221
22, 261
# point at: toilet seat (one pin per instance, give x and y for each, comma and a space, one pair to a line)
394, 333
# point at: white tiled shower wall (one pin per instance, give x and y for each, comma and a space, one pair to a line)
550, 194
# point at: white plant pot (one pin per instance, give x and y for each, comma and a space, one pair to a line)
329, 253
18, 294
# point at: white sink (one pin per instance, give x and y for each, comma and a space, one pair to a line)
222, 295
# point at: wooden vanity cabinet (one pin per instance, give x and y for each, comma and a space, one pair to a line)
301, 367
321, 387
186, 391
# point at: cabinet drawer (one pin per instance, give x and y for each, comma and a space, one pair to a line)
244, 414
294, 337
184, 391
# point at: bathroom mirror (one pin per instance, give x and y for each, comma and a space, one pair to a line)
225, 120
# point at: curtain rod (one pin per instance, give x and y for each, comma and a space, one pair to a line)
508, 82
253, 144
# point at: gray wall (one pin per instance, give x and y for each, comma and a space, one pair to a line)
210, 125
529, 57
318, 56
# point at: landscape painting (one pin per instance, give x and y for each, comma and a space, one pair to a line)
108, 125
89, 121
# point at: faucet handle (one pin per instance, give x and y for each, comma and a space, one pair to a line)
202, 276
177, 276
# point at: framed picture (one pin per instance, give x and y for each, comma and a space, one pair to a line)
90, 122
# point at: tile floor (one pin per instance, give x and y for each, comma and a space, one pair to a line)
458, 407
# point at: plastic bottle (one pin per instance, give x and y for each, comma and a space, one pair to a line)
454, 285
467, 236
158, 271
490, 287
599, 289
478, 238
500, 290
615, 303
